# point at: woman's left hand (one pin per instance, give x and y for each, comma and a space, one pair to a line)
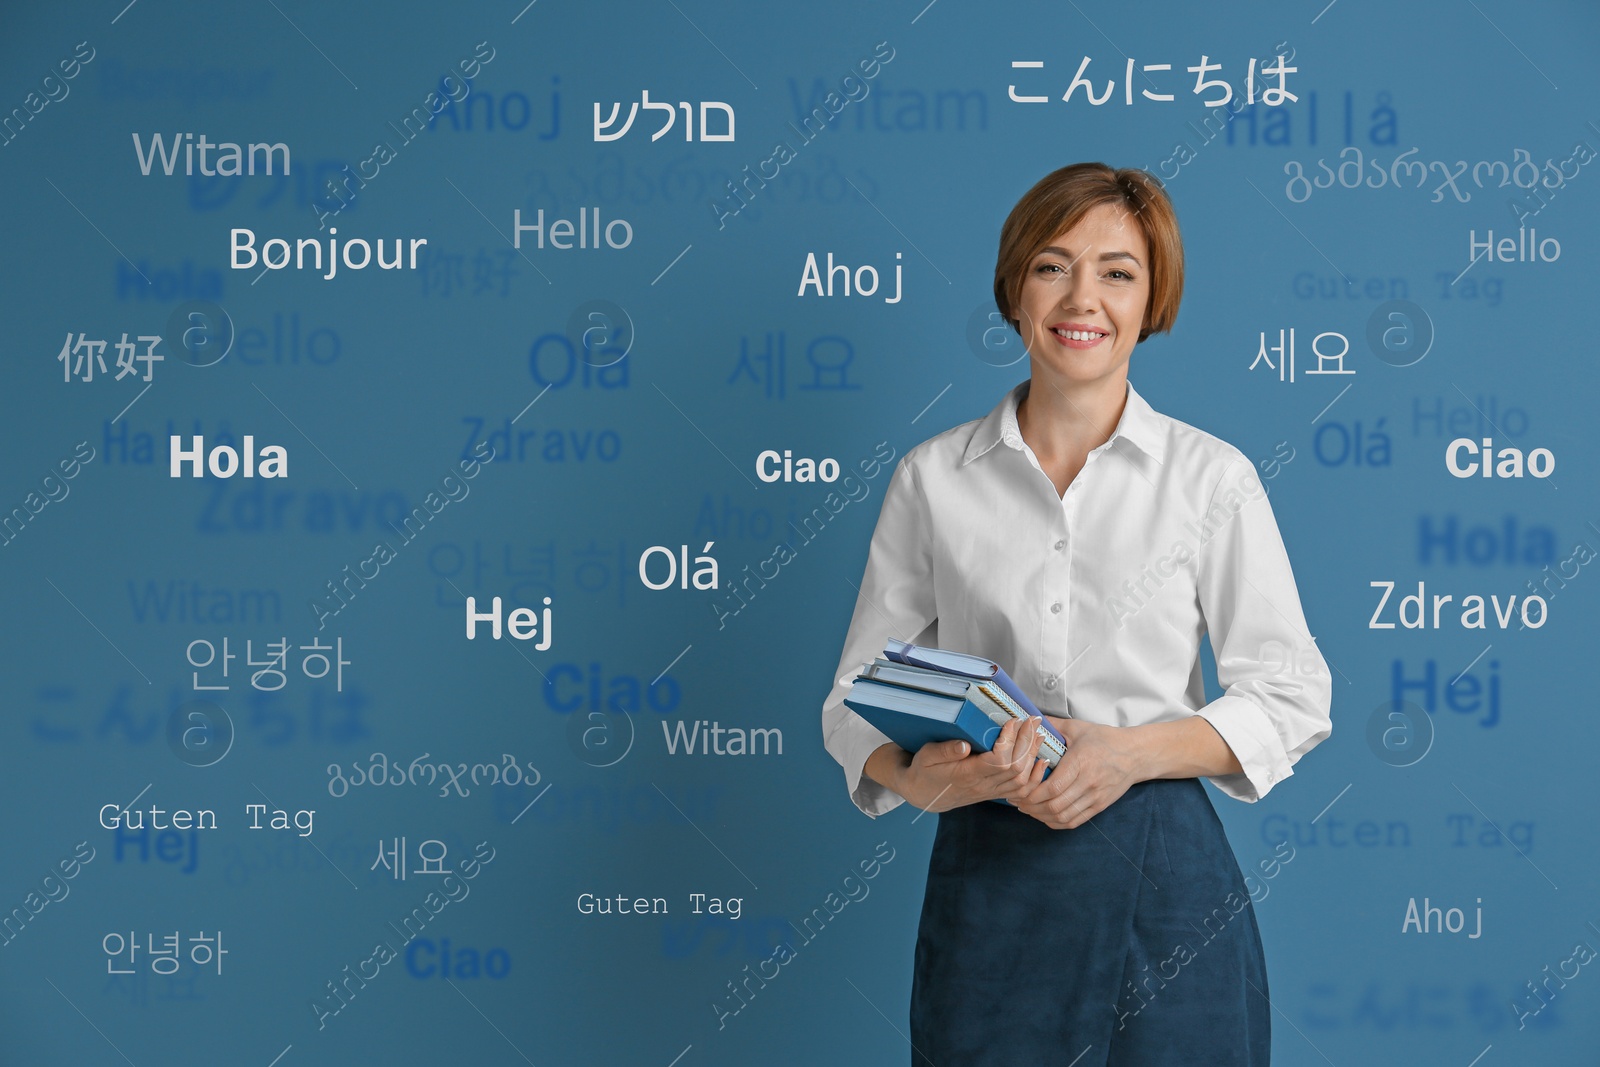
1100, 764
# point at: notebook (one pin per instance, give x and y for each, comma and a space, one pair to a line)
989, 697
911, 718
964, 665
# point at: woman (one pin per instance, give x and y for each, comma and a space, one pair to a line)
1087, 543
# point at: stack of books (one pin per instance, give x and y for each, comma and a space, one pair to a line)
916, 695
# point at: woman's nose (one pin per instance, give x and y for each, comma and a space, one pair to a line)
1081, 292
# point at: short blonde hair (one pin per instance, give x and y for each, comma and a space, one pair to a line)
1059, 201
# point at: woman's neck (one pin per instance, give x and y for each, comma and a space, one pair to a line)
1063, 422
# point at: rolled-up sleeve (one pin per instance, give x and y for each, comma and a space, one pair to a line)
1277, 690
896, 599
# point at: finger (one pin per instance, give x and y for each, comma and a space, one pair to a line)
1086, 810
1000, 753
1079, 806
1046, 811
1036, 772
1009, 771
944, 751
1026, 748
1006, 742
1032, 782
1045, 817
1029, 774
1060, 780
1066, 802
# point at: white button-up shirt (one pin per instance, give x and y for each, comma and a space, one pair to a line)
1095, 601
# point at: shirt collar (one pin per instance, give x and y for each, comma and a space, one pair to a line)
1140, 425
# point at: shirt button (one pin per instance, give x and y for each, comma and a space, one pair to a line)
1055, 609
1049, 683
1060, 545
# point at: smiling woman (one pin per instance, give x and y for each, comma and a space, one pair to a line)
1131, 212
1041, 914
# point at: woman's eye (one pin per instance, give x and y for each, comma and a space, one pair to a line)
1046, 268
1122, 275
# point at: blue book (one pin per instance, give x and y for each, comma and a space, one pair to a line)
964, 665
912, 719
988, 696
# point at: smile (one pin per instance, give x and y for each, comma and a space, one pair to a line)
1079, 337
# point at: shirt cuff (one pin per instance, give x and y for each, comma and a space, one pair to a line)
861, 740
1247, 730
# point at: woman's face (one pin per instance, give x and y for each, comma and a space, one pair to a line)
1084, 297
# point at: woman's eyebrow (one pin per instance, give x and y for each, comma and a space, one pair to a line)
1103, 256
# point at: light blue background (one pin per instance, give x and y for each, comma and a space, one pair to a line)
420, 354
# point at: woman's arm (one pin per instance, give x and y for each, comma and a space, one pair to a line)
1103, 761
895, 599
1274, 707
947, 775
1277, 689
1188, 748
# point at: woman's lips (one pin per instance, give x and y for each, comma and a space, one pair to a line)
1079, 337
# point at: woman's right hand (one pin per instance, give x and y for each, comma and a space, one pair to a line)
948, 775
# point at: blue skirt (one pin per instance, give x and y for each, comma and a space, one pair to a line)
1128, 942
